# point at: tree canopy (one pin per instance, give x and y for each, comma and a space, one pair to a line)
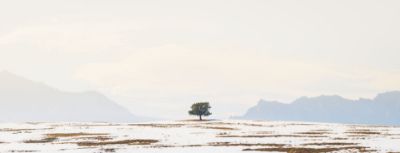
200, 109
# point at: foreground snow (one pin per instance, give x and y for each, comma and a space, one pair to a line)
193, 136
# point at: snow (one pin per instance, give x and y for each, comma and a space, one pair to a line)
194, 136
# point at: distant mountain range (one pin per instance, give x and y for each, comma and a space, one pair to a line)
384, 109
25, 100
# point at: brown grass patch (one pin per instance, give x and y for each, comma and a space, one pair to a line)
243, 136
313, 133
173, 146
23, 151
216, 127
18, 130
221, 144
196, 120
331, 144
35, 123
159, 125
229, 144
251, 124
63, 135
273, 136
98, 138
219, 123
299, 124
44, 140
362, 132
109, 150
119, 142
264, 132
224, 123
309, 150
322, 130
339, 138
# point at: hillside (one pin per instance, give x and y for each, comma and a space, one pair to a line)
25, 100
383, 109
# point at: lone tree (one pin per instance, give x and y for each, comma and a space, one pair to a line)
200, 109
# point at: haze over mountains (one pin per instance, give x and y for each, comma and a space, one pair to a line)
25, 100
383, 109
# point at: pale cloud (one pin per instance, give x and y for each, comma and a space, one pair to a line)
179, 69
73, 38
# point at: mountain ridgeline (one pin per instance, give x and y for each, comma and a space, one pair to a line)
384, 109
23, 100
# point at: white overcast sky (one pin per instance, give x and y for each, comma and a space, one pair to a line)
158, 57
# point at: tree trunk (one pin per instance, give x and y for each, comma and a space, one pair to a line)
200, 118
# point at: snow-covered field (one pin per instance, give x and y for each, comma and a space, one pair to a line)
217, 136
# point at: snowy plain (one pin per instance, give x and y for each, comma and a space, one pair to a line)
188, 136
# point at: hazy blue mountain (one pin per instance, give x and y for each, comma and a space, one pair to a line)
383, 109
25, 100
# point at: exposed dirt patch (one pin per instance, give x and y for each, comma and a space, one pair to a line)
118, 142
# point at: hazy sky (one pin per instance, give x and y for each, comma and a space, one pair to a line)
158, 57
